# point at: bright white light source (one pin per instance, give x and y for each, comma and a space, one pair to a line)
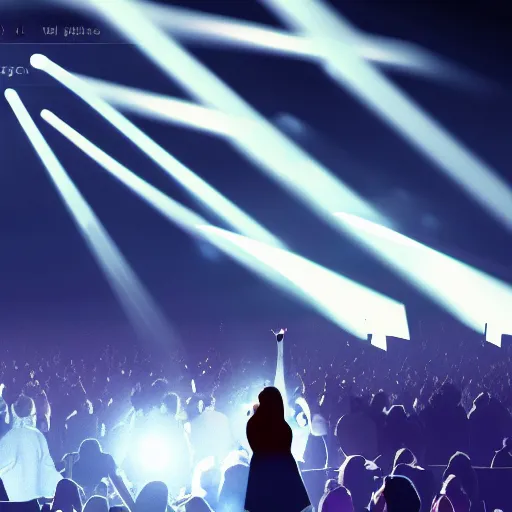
493, 335
38, 61
379, 341
470, 295
10, 95
155, 453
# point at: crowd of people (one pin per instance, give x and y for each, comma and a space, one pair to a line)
349, 429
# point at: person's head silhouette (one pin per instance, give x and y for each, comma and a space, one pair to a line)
96, 504
67, 497
153, 498
89, 448
336, 500
271, 404
400, 495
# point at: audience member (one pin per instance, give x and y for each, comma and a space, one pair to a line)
275, 483
26, 467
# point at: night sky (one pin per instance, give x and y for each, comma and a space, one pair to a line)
51, 288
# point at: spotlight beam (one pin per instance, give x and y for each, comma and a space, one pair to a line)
161, 107
470, 295
190, 25
342, 301
136, 301
276, 155
213, 200
329, 30
199, 27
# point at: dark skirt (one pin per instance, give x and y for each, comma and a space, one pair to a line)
275, 485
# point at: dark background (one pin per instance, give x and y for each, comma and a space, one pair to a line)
51, 290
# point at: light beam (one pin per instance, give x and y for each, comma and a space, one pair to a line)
468, 294
334, 38
196, 186
344, 302
161, 107
136, 301
274, 153
199, 27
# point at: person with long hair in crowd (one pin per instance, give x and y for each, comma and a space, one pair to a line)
90, 465
67, 497
275, 483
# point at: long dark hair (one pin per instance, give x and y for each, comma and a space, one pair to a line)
67, 497
271, 404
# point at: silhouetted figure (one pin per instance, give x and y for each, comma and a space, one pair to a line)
423, 479
96, 504
503, 457
401, 495
446, 425
460, 466
454, 492
398, 432
359, 476
275, 484
357, 431
80, 426
442, 504
233, 488
67, 497
489, 423
153, 498
397, 494
336, 500
90, 466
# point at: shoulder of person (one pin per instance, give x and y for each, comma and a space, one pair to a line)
110, 462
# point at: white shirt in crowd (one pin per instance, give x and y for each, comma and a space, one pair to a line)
26, 466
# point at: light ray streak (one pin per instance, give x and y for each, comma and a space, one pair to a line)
195, 26
278, 156
344, 302
334, 38
139, 306
162, 107
470, 295
211, 28
196, 186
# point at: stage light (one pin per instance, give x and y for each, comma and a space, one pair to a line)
38, 61
333, 36
470, 295
207, 195
136, 301
155, 453
339, 299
